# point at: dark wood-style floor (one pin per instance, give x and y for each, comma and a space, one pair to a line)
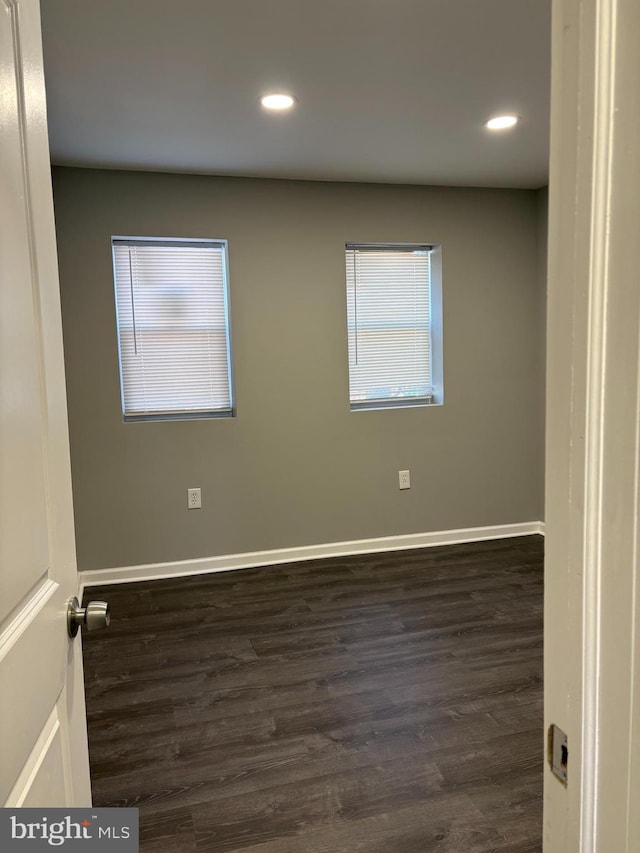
382, 703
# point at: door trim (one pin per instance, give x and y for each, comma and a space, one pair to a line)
594, 452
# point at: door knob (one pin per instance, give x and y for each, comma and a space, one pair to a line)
95, 615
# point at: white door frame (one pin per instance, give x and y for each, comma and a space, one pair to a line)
593, 422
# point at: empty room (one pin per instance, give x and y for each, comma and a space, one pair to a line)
304, 356
319, 323
302, 258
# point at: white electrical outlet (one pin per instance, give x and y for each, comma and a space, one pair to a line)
194, 499
404, 479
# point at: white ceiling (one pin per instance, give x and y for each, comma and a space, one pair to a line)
389, 90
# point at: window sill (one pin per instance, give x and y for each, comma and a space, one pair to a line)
417, 403
178, 416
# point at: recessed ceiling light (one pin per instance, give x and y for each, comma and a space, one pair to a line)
501, 122
277, 101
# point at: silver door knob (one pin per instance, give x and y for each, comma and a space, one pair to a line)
95, 615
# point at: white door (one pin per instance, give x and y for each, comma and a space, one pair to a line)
592, 585
43, 746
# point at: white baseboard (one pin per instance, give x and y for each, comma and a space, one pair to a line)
254, 559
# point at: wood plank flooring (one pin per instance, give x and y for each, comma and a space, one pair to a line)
382, 703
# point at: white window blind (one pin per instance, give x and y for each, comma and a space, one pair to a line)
389, 325
173, 328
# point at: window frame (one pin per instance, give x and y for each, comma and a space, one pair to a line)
193, 414
436, 398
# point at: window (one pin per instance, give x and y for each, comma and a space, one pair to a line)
173, 328
393, 323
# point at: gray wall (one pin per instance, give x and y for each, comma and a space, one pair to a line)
295, 466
